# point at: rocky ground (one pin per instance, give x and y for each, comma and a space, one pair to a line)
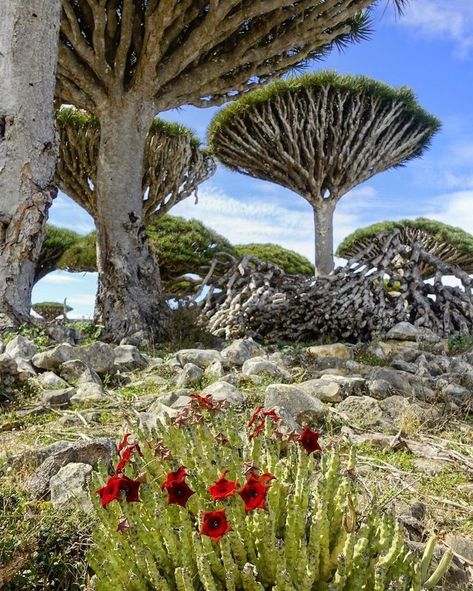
405, 401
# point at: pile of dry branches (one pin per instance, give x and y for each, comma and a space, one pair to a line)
354, 303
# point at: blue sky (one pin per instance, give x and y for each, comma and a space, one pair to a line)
429, 49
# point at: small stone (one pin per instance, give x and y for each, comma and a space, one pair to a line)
399, 382
461, 545
457, 394
324, 391
191, 375
262, 366
70, 486
380, 389
76, 371
337, 350
50, 381
214, 370
129, 358
53, 358
200, 357
21, 347
98, 356
88, 392
298, 403
403, 331
240, 351
398, 363
224, 392
58, 397
361, 411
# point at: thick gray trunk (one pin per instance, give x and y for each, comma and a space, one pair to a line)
323, 220
129, 298
28, 57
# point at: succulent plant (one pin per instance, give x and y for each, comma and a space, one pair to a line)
224, 508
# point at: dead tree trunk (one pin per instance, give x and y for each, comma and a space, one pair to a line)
28, 57
129, 299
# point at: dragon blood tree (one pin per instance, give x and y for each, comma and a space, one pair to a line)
449, 243
57, 241
173, 167
28, 150
320, 135
124, 61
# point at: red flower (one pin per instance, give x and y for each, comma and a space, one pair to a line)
272, 414
215, 524
256, 415
222, 488
126, 455
161, 450
309, 440
179, 492
177, 476
202, 401
111, 491
255, 490
124, 442
257, 429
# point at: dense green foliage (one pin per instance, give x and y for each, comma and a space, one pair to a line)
56, 242
81, 256
82, 119
303, 525
314, 81
289, 260
443, 233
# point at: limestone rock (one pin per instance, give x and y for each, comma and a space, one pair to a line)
403, 331
87, 393
77, 372
60, 397
191, 375
129, 358
98, 356
52, 358
337, 350
214, 370
262, 366
295, 401
21, 347
361, 411
83, 452
200, 357
69, 487
240, 351
50, 381
223, 391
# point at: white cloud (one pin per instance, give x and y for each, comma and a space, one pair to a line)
455, 209
443, 19
82, 299
59, 278
289, 222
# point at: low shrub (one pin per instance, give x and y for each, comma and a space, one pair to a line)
214, 505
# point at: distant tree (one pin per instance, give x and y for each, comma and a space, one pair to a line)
321, 135
174, 164
127, 60
290, 261
28, 56
56, 242
80, 257
449, 243
51, 310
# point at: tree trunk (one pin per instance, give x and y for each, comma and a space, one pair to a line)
129, 298
28, 147
323, 220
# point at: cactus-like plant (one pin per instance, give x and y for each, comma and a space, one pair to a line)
228, 507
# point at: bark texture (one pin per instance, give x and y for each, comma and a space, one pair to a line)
162, 54
356, 302
28, 57
323, 221
129, 298
321, 138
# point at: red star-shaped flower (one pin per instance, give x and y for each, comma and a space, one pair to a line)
176, 476
215, 524
115, 484
179, 493
255, 490
222, 488
309, 440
